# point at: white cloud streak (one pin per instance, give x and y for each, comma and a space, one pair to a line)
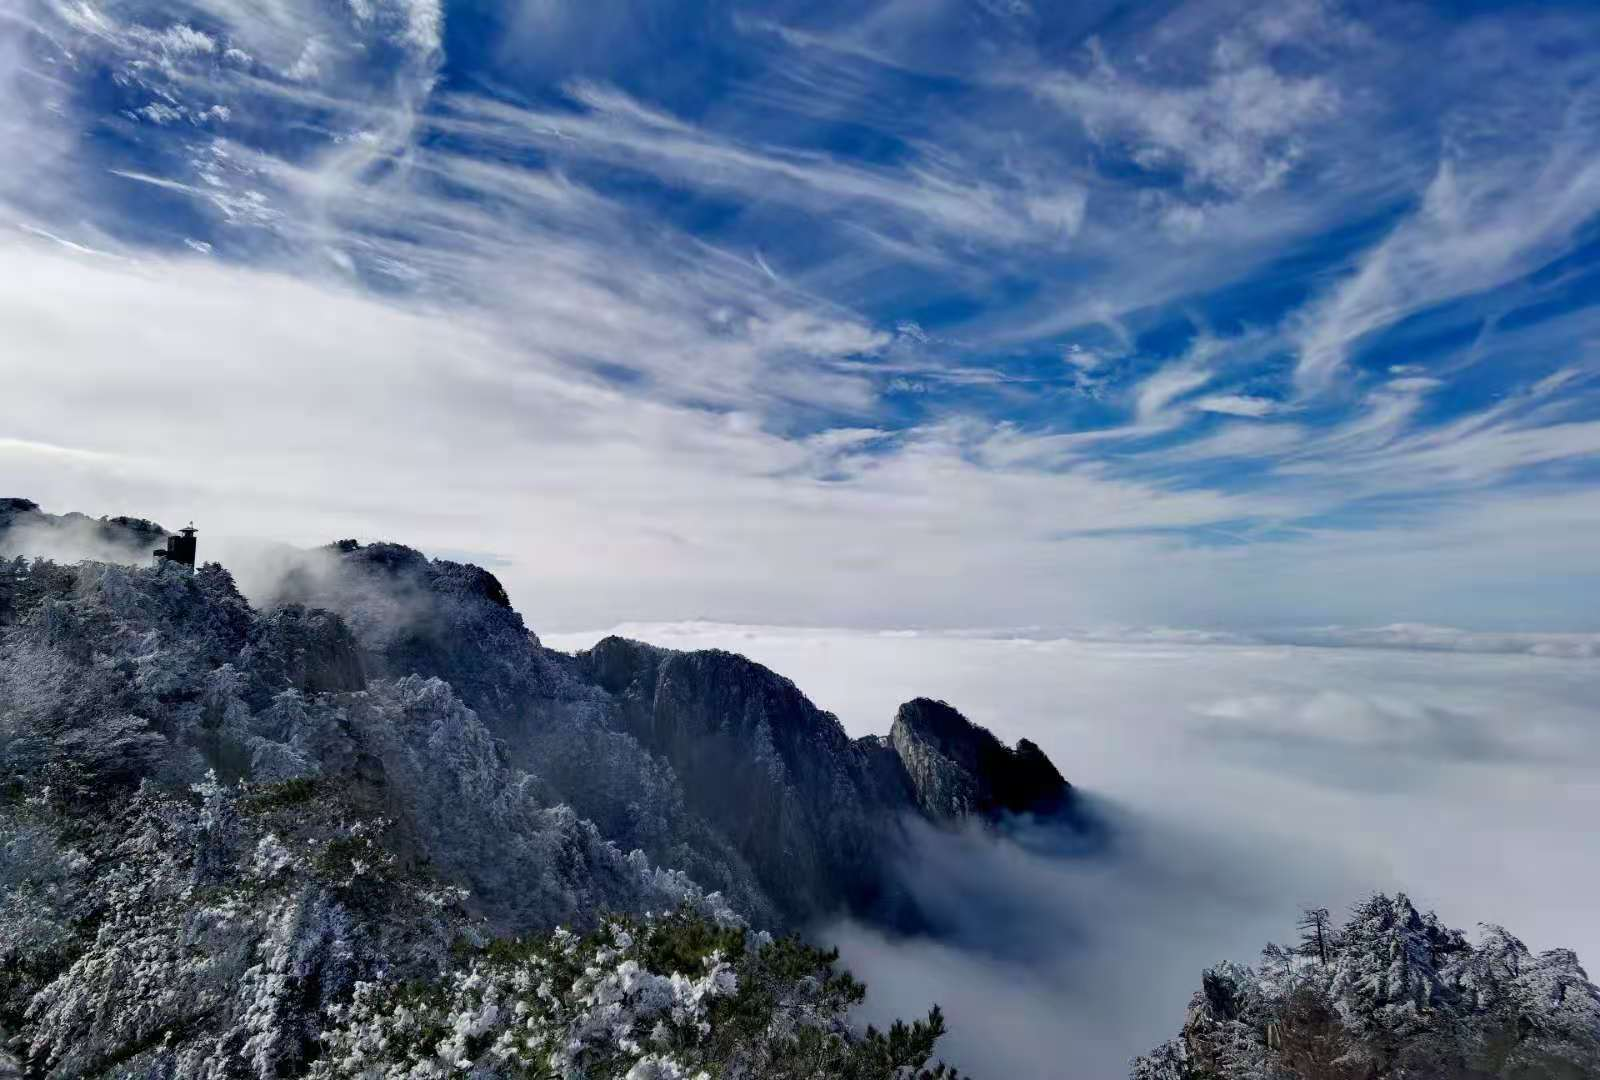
1479, 225
1236, 405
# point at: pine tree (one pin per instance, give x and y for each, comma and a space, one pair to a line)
1315, 926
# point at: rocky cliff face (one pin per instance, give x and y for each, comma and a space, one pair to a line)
810, 809
958, 769
712, 763
814, 811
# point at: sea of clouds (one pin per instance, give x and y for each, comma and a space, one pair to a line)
1241, 778
1241, 782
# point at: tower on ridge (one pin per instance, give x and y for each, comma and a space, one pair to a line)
180, 548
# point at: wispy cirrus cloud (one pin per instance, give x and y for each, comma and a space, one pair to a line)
1240, 129
684, 289
1479, 225
927, 197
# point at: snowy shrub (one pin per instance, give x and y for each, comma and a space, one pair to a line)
1392, 993
677, 996
268, 931
210, 929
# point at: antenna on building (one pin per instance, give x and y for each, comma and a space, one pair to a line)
180, 548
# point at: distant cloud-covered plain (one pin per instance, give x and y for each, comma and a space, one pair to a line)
1241, 783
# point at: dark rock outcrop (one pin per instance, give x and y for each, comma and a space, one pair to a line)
816, 813
811, 810
959, 769
311, 650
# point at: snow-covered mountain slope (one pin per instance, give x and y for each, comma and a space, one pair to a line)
272, 930
220, 821
703, 762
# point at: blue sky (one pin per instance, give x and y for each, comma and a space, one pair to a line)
947, 312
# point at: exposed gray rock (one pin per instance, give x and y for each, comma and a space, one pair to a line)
959, 769
706, 760
812, 811
816, 814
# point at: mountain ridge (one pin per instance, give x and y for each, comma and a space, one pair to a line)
282, 821
706, 761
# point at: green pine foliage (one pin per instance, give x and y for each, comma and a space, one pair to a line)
676, 996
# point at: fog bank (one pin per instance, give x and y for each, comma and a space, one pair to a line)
1242, 782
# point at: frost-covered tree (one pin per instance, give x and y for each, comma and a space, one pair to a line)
672, 997
1393, 993
1316, 933
271, 931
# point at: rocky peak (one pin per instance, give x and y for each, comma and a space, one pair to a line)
959, 769
414, 615
805, 804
